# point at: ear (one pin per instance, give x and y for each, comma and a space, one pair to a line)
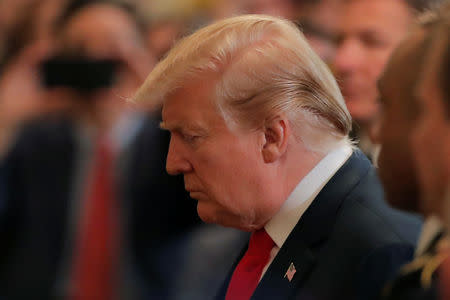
276, 135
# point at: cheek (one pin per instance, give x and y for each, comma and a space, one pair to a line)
429, 138
231, 176
394, 146
236, 172
423, 136
395, 154
376, 63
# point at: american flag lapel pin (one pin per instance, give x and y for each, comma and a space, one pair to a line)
290, 272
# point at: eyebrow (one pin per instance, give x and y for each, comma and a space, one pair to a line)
181, 127
175, 127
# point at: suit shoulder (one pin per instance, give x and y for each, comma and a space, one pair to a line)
49, 129
366, 208
381, 225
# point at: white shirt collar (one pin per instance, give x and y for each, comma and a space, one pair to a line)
281, 225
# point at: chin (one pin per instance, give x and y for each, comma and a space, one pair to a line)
207, 214
214, 215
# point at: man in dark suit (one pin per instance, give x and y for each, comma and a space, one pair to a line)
38, 217
414, 132
259, 129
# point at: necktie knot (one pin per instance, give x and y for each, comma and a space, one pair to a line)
260, 243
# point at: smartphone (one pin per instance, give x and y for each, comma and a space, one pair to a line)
79, 73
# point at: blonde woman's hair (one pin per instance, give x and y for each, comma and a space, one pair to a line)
266, 68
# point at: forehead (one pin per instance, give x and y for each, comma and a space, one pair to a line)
99, 28
374, 15
192, 104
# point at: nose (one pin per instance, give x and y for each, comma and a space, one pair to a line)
348, 57
177, 162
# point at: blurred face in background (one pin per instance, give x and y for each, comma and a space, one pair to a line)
278, 8
430, 141
227, 8
369, 31
399, 112
102, 31
105, 31
319, 21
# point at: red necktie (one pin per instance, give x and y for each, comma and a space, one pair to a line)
97, 245
247, 273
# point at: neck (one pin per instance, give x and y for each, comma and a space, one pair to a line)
298, 165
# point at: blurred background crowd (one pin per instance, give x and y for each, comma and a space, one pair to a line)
68, 72
355, 40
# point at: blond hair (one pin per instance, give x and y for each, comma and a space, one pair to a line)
266, 68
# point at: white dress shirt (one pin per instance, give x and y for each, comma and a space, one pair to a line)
281, 225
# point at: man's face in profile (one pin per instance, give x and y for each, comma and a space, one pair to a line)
369, 31
398, 117
431, 136
223, 168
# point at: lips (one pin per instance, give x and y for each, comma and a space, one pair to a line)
192, 191
189, 189
199, 196
190, 186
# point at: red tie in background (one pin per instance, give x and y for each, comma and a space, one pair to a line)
96, 255
247, 273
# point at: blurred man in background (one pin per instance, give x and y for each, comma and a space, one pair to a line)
431, 154
414, 135
368, 33
64, 218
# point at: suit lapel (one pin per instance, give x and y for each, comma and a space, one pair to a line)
302, 244
275, 284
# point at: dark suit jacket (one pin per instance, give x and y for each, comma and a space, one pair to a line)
37, 182
347, 227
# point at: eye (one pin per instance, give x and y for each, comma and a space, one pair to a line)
190, 138
374, 40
